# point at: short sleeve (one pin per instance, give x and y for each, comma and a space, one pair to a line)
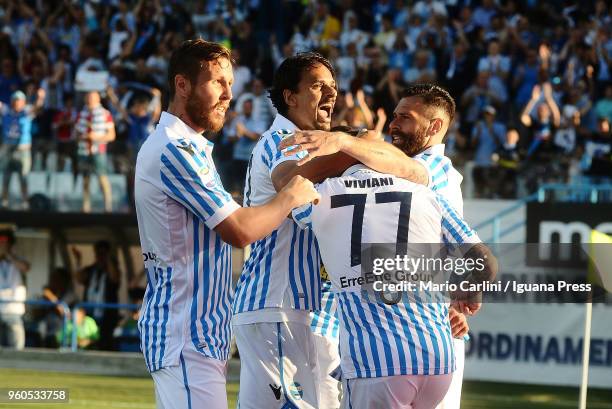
454, 228
437, 167
188, 179
303, 216
276, 156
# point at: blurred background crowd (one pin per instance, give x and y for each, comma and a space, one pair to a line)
82, 82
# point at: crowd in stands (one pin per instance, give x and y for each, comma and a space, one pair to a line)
61, 310
86, 79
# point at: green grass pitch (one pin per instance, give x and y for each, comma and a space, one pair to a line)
91, 391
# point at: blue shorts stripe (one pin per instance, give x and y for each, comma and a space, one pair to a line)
186, 381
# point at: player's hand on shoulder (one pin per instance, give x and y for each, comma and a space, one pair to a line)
301, 191
314, 143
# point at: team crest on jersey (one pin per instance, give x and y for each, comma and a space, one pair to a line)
282, 133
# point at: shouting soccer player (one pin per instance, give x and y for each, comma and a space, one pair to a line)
187, 222
280, 282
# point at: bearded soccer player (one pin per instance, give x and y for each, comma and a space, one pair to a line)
280, 283
420, 122
187, 224
396, 353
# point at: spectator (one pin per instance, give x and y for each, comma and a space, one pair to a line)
508, 161
597, 153
12, 287
477, 97
498, 65
565, 137
101, 282
63, 127
351, 34
542, 127
487, 136
86, 330
421, 70
603, 107
10, 82
126, 334
59, 289
141, 117
484, 13
263, 110
16, 150
526, 77
94, 129
246, 132
242, 74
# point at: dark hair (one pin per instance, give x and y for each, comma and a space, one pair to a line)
187, 60
289, 74
433, 96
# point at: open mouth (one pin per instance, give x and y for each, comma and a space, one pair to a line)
325, 111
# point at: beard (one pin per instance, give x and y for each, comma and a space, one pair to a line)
202, 115
410, 143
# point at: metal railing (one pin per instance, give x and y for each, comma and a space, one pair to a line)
548, 192
65, 313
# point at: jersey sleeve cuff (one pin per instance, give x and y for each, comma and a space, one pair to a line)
221, 214
426, 166
284, 159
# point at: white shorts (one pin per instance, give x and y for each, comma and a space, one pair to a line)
278, 366
395, 392
329, 359
452, 400
197, 382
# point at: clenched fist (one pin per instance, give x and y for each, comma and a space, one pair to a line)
301, 191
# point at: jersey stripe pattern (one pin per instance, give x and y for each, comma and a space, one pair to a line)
324, 321
282, 270
179, 201
377, 339
445, 180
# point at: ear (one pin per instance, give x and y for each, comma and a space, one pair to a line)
182, 86
289, 98
435, 127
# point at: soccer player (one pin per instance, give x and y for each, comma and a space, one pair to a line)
392, 355
280, 281
420, 122
187, 222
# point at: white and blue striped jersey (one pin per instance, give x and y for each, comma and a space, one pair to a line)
282, 272
179, 201
443, 177
378, 339
325, 321
444, 180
